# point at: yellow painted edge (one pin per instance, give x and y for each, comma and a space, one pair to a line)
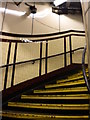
69, 79
75, 95
64, 84
62, 97
61, 90
41, 104
77, 74
34, 116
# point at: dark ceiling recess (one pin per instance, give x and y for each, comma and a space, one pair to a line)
68, 8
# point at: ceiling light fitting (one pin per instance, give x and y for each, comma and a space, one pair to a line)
33, 9
59, 2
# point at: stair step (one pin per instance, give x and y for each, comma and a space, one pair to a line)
68, 97
78, 74
70, 83
23, 115
62, 90
65, 98
50, 106
70, 79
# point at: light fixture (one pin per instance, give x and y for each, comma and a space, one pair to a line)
40, 14
59, 2
12, 12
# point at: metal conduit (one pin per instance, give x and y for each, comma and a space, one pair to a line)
83, 68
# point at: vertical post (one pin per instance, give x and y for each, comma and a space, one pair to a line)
65, 57
40, 65
32, 24
14, 60
59, 22
70, 49
46, 57
6, 72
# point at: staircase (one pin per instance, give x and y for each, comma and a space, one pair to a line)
63, 98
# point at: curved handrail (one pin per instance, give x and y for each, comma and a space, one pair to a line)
83, 68
40, 39
39, 35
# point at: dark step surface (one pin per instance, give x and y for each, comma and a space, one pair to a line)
28, 115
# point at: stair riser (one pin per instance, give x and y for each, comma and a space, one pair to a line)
5, 118
55, 101
50, 111
67, 86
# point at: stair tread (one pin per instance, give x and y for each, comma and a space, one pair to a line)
78, 74
76, 89
77, 96
65, 84
26, 115
62, 100
70, 79
50, 106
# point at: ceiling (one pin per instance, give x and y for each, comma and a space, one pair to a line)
68, 8
65, 8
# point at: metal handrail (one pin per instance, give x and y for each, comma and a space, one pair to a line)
83, 68
39, 35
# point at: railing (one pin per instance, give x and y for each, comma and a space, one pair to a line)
83, 67
44, 43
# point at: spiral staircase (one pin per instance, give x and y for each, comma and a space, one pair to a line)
64, 97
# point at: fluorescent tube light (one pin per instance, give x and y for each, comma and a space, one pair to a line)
41, 14
59, 2
12, 12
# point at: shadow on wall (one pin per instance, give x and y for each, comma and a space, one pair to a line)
70, 21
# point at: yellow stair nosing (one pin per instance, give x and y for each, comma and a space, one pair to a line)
62, 90
64, 84
56, 91
75, 95
77, 75
44, 104
55, 97
10, 114
69, 79
50, 106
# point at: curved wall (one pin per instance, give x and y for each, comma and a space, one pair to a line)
86, 17
47, 24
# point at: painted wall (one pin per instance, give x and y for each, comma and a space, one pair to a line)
46, 22
86, 17
45, 25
